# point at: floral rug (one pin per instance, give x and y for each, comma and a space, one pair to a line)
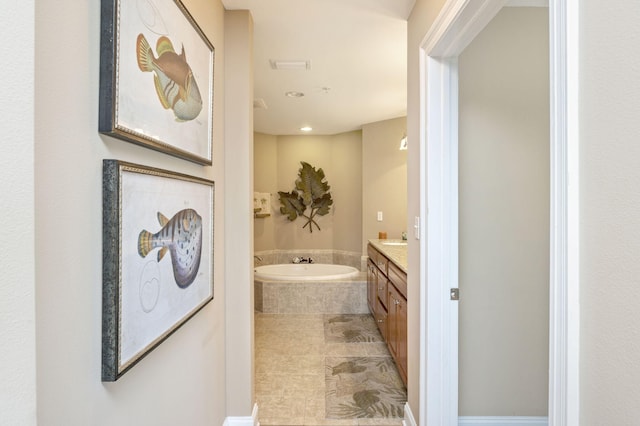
358, 387
351, 329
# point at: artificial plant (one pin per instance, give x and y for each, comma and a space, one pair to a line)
311, 192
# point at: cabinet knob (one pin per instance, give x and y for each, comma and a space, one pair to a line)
380, 320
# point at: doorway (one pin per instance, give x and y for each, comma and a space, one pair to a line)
459, 23
503, 211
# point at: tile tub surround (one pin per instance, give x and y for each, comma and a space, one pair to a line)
319, 297
335, 257
291, 353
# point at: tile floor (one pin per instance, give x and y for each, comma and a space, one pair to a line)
290, 351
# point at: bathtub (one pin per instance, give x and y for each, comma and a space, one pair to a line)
315, 288
304, 272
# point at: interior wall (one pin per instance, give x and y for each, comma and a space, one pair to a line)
183, 380
265, 179
17, 235
504, 217
609, 230
238, 168
276, 165
315, 150
384, 169
609, 210
422, 17
347, 185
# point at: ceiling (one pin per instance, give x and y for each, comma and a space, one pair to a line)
357, 55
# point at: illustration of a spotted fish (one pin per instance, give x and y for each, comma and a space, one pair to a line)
174, 82
182, 238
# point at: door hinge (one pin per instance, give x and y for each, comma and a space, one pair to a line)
455, 294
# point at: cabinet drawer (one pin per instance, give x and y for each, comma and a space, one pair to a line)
378, 259
399, 278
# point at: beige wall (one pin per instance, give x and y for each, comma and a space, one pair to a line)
66, 274
347, 184
609, 206
277, 161
17, 235
504, 217
182, 381
238, 160
265, 179
315, 150
609, 209
384, 175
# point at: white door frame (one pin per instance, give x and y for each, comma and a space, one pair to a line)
456, 26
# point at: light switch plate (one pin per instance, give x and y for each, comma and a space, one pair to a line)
379, 216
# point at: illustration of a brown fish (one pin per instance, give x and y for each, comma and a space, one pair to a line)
182, 238
175, 85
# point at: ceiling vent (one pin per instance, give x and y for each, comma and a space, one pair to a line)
259, 104
290, 65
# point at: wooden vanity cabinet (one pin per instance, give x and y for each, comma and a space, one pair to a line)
376, 307
397, 328
387, 298
372, 285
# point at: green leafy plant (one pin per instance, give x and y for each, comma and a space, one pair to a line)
311, 192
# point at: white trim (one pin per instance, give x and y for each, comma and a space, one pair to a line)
408, 420
564, 309
455, 27
527, 3
244, 421
458, 23
503, 421
442, 241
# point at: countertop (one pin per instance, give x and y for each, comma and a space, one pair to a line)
395, 250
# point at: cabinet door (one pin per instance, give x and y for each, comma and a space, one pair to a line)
397, 329
372, 285
383, 283
380, 315
401, 358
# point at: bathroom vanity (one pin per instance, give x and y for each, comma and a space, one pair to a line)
387, 295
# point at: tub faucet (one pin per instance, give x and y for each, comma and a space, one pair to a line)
302, 260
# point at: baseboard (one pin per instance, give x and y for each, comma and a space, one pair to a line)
244, 421
409, 420
502, 421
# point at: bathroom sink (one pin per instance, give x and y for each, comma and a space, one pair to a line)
394, 243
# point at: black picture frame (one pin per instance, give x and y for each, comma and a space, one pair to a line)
156, 78
157, 269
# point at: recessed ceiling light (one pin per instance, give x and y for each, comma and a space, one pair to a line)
290, 64
294, 94
306, 129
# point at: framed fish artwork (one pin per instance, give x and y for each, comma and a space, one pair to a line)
156, 78
157, 258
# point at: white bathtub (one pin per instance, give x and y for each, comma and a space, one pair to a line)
304, 272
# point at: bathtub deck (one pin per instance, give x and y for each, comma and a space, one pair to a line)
312, 297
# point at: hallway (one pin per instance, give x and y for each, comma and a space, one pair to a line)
325, 369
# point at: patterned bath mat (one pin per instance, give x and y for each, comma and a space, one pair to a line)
358, 387
351, 329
